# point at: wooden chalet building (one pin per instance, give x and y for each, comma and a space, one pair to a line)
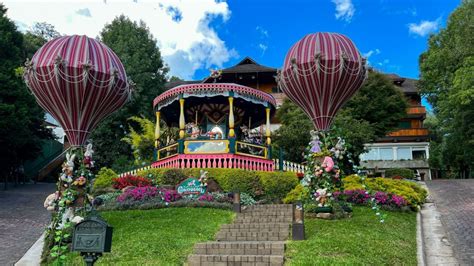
406, 147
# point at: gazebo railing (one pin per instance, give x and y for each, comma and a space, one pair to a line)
226, 160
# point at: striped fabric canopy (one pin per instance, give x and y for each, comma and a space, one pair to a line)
79, 81
320, 73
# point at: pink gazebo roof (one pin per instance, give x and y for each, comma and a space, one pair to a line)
218, 88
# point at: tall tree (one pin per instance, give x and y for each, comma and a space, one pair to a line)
138, 51
38, 35
22, 124
447, 80
373, 111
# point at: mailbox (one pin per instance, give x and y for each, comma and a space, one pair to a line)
92, 235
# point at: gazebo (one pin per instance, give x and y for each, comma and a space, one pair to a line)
215, 122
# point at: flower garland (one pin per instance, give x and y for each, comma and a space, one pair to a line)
324, 176
70, 203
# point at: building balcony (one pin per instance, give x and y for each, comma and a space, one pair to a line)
409, 132
416, 111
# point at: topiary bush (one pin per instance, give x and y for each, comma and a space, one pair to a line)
104, 178
400, 172
277, 184
174, 176
299, 193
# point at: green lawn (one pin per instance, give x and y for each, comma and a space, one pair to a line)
360, 240
158, 237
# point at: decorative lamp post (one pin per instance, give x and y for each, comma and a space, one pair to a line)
236, 202
298, 221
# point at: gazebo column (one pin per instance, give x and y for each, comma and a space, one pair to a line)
157, 134
231, 123
182, 124
268, 132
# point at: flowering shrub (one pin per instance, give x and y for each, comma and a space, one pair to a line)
169, 195
362, 197
206, 197
138, 194
130, 181
221, 197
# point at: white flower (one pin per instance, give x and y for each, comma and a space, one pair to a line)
378, 213
373, 208
382, 221
366, 192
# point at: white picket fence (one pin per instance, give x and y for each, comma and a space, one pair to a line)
287, 167
135, 171
290, 166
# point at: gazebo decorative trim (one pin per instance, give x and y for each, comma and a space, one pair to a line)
206, 89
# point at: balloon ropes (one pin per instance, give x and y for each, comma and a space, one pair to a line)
79, 81
320, 73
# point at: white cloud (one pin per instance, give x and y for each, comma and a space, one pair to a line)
84, 12
262, 31
262, 47
424, 28
344, 9
183, 29
371, 52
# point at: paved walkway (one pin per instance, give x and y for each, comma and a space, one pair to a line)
22, 219
454, 200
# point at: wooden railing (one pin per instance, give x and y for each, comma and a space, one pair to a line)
290, 166
409, 132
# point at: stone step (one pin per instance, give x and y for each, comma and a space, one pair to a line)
282, 207
263, 230
240, 248
250, 219
253, 236
255, 226
266, 213
242, 260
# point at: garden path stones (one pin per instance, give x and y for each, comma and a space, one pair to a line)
454, 199
256, 237
22, 219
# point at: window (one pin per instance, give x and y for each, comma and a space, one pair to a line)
404, 153
370, 155
386, 154
404, 124
419, 154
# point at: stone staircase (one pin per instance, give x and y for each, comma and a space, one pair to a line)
257, 237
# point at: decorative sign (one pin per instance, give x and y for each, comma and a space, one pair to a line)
191, 186
206, 146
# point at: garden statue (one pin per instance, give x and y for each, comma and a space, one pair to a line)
322, 197
328, 164
68, 168
88, 156
50, 202
315, 142
203, 178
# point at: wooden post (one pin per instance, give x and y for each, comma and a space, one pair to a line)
268, 132
157, 130
231, 117
182, 122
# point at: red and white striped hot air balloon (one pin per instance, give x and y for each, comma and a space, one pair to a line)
79, 81
320, 73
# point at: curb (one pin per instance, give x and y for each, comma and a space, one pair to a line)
420, 245
33, 256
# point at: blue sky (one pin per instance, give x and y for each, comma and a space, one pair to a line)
265, 30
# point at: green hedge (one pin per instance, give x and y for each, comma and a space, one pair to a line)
400, 172
272, 186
